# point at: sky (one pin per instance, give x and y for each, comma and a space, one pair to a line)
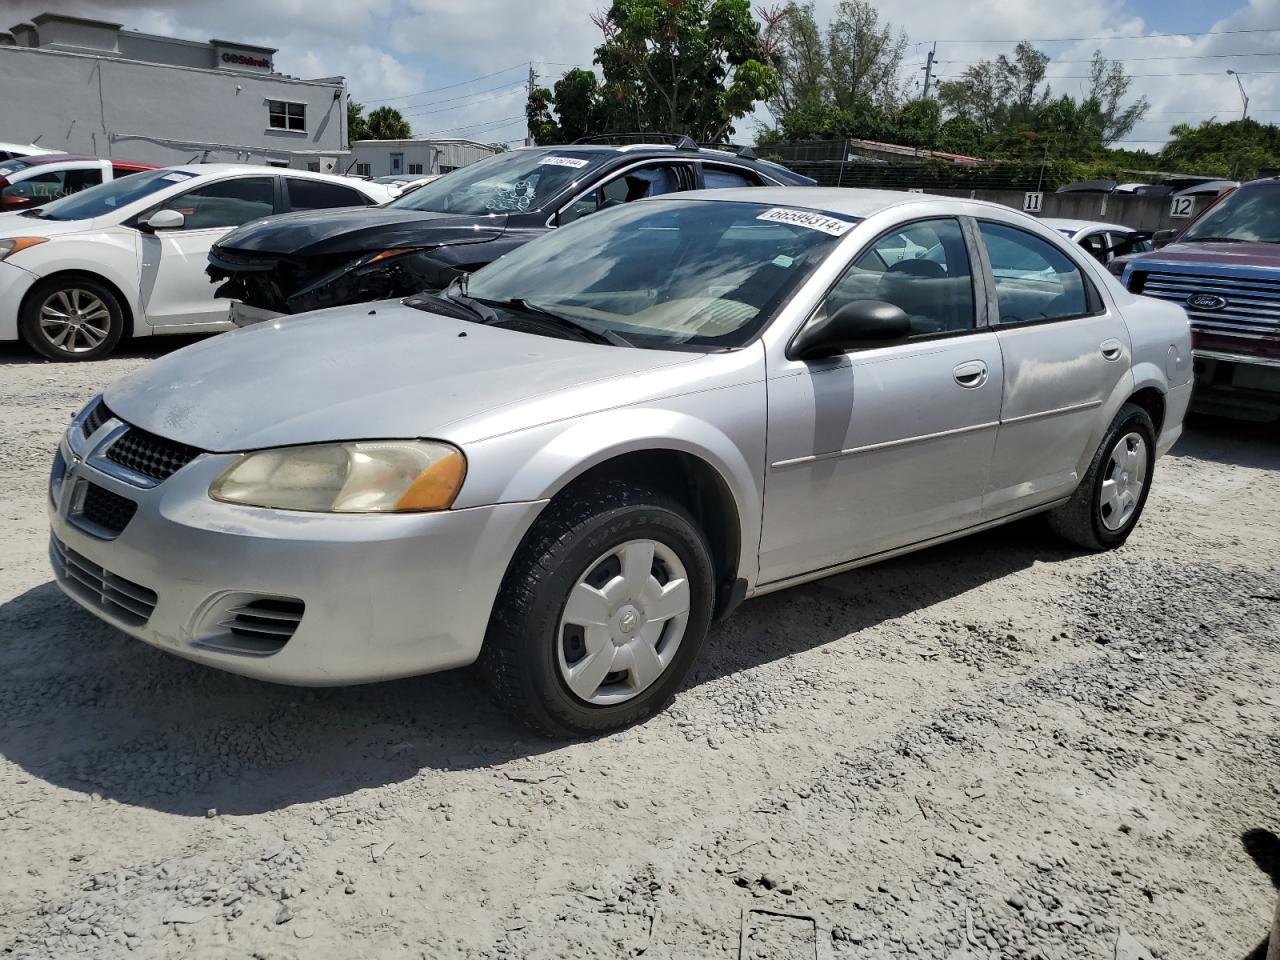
458, 68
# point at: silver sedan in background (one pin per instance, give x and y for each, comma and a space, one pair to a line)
569, 465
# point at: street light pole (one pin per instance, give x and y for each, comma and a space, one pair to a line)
1244, 97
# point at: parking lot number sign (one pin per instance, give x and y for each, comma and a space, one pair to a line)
1182, 207
1032, 202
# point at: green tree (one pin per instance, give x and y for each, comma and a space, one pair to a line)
917, 124
386, 123
357, 125
1238, 149
846, 77
681, 66
1108, 86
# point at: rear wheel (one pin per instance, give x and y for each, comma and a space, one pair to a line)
602, 612
71, 318
1106, 506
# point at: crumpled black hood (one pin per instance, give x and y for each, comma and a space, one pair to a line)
358, 229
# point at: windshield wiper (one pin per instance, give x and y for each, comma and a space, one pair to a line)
567, 322
453, 305
1214, 240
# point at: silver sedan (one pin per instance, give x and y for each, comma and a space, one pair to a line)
568, 466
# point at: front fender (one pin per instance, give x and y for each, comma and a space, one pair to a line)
538, 463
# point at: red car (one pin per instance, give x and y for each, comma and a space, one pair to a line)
31, 181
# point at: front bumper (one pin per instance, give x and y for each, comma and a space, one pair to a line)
14, 284
383, 596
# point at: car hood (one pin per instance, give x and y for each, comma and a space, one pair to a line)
1244, 255
378, 371
14, 224
358, 229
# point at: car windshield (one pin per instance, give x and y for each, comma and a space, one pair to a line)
10, 167
667, 273
111, 196
507, 183
1250, 213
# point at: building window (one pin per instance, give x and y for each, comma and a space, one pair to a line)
287, 116
415, 168
313, 166
364, 169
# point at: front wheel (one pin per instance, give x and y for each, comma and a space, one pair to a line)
71, 318
602, 612
1106, 506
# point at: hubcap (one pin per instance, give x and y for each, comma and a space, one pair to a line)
1122, 482
74, 320
623, 622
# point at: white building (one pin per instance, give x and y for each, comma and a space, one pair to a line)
382, 158
92, 87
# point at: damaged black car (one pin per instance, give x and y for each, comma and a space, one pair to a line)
423, 240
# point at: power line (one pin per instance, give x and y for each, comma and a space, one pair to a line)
1190, 56
459, 106
1133, 36
1135, 75
476, 127
452, 86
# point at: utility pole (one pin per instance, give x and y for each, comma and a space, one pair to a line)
533, 79
928, 69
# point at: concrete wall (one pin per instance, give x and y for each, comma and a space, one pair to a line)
1127, 210
158, 114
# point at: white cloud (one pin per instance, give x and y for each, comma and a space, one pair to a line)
389, 49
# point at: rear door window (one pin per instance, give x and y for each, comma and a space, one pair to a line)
716, 178
322, 195
1034, 279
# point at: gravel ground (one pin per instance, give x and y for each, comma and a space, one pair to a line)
996, 748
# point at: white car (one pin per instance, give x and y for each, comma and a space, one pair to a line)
15, 151
399, 184
1104, 241
27, 182
128, 258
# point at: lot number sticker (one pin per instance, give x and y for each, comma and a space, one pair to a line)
1032, 202
807, 219
575, 162
1182, 207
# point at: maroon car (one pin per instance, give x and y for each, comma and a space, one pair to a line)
1224, 268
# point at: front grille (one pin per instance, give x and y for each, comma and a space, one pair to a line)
95, 418
106, 510
259, 627
1251, 310
149, 455
123, 599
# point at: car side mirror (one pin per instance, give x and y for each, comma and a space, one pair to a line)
164, 220
859, 323
1161, 237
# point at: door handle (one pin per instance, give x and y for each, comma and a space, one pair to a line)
1111, 349
971, 375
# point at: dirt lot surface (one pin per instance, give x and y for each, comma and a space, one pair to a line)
997, 748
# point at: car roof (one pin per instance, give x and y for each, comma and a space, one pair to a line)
222, 169
41, 159
850, 201
27, 149
643, 151
1063, 223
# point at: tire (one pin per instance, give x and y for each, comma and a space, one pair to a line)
542, 668
96, 319
1088, 521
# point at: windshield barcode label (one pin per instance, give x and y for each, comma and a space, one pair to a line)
575, 162
808, 219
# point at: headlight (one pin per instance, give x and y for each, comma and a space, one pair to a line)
370, 476
13, 244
